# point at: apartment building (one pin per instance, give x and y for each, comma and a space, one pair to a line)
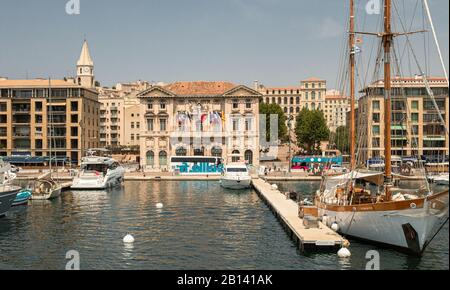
335, 110
310, 94
37, 115
416, 125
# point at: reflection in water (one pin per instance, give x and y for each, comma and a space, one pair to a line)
201, 226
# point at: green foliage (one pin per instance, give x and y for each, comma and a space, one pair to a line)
340, 139
311, 129
274, 109
97, 84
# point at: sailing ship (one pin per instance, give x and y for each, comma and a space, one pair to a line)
366, 205
45, 187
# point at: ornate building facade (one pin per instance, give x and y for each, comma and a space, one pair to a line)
198, 119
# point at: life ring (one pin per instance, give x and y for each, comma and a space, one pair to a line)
413, 205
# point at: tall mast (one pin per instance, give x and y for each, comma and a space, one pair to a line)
51, 122
387, 43
352, 85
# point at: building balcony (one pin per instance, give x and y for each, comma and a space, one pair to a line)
114, 109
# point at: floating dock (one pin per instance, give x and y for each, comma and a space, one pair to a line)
286, 210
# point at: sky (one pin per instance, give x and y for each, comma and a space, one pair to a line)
278, 42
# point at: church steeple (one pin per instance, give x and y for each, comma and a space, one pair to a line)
85, 67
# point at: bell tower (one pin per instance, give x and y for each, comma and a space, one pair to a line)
85, 68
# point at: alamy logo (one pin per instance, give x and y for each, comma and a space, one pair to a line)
373, 7
73, 7
374, 260
74, 260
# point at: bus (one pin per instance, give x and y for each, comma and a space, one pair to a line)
307, 163
196, 165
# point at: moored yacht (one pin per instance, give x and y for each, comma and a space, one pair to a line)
7, 192
98, 173
236, 176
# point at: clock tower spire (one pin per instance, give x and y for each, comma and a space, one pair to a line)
85, 68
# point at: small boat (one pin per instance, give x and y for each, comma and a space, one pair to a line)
46, 189
22, 198
236, 176
441, 179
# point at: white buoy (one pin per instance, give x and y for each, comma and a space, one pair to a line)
159, 205
335, 227
274, 187
128, 239
344, 253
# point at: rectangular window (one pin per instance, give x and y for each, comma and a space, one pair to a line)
132, 125
162, 124
248, 105
415, 117
248, 124
74, 131
38, 106
150, 124
162, 106
138, 125
235, 105
376, 130
74, 106
74, 119
415, 105
235, 125
376, 117
38, 119
376, 142
415, 130
149, 106
132, 137
376, 105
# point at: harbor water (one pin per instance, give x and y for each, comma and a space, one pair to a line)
201, 226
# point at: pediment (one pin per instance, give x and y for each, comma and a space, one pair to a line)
155, 92
242, 91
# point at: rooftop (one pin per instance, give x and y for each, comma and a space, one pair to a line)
200, 88
36, 83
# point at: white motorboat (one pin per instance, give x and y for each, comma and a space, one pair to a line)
441, 179
236, 176
8, 192
98, 173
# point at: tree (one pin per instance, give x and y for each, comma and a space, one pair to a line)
274, 109
311, 129
97, 84
340, 139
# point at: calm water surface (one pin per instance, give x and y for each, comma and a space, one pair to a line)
201, 226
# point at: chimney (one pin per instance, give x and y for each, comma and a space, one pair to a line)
256, 85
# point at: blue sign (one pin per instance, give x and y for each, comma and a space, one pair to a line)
199, 168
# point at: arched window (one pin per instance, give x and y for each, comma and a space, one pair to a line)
313, 106
285, 110
249, 157
235, 157
216, 151
181, 151
163, 158
291, 110
150, 158
297, 110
